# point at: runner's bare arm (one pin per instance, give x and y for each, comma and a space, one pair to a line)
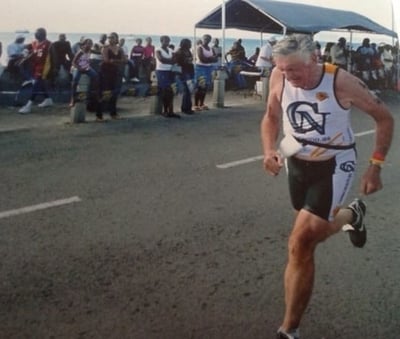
351, 91
270, 124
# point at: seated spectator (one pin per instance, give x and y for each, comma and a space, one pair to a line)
81, 65
254, 57
16, 54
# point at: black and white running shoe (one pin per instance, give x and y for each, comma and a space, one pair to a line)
357, 231
281, 334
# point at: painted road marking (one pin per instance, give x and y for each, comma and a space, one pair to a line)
260, 157
33, 208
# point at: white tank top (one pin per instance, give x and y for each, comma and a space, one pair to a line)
208, 54
315, 115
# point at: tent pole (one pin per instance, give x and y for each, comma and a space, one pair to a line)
223, 24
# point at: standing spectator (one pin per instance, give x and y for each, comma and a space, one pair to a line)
339, 53
203, 70
60, 55
165, 77
387, 60
364, 57
111, 70
126, 68
136, 60
96, 54
264, 61
40, 60
184, 58
81, 65
149, 61
76, 47
217, 50
318, 51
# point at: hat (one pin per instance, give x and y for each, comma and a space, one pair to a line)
272, 39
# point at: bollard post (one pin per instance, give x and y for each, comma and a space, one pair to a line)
219, 89
78, 111
155, 103
265, 88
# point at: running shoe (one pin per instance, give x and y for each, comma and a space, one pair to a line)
357, 231
281, 334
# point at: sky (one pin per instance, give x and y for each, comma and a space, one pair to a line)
171, 17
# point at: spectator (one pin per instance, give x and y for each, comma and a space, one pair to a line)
16, 56
318, 51
40, 60
136, 60
217, 50
364, 57
387, 60
111, 70
149, 61
60, 55
204, 67
184, 59
339, 53
236, 63
165, 77
76, 47
264, 61
254, 57
81, 65
96, 54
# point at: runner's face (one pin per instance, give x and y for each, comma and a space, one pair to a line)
295, 69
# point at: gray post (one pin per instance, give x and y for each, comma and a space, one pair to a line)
78, 111
155, 103
265, 88
219, 89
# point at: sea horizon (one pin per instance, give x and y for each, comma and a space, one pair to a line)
249, 44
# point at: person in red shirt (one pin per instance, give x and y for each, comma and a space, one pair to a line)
40, 60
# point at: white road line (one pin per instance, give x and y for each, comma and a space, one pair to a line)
38, 207
240, 162
260, 157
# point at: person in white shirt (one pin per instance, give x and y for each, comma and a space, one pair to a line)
264, 61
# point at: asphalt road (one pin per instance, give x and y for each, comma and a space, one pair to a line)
160, 242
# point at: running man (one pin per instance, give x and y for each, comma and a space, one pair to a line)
314, 102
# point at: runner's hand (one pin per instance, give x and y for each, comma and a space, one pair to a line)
273, 162
371, 180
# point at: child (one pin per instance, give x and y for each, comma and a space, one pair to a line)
81, 65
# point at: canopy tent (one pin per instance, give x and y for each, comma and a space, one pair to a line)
268, 16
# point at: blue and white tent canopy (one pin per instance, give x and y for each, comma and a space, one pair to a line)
269, 16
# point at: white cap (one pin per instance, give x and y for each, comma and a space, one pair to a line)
272, 39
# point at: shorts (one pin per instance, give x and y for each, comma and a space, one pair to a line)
321, 187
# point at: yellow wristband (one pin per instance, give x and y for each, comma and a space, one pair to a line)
376, 162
